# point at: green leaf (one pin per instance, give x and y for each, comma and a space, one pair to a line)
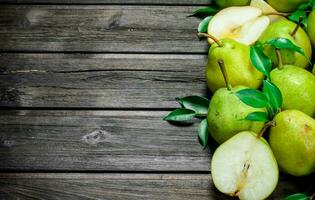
295, 17
257, 116
253, 98
260, 61
306, 5
298, 196
203, 133
196, 103
273, 95
203, 25
180, 114
205, 11
284, 43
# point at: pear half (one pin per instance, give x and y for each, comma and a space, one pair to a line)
245, 167
244, 24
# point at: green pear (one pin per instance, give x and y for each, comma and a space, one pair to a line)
285, 5
236, 57
292, 141
289, 30
228, 3
297, 86
311, 27
227, 113
245, 167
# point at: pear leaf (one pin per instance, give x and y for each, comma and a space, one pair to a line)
196, 103
253, 98
298, 196
203, 133
306, 5
257, 116
273, 95
260, 61
284, 43
180, 114
205, 11
295, 17
203, 25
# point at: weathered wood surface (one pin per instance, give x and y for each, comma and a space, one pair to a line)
99, 80
99, 28
136, 2
97, 140
124, 186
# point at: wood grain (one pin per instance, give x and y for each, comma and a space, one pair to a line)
136, 2
99, 141
99, 80
99, 29
125, 186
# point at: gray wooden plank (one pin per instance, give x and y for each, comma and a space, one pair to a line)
152, 2
99, 80
97, 140
99, 28
51, 186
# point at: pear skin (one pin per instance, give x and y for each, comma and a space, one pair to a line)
297, 86
285, 5
283, 29
226, 115
228, 3
311, 27
292, 141
236, 57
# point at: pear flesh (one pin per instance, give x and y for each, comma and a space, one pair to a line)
297, 86
292, 141
266, 9
236, 57
244, 24
245, 167
226, 115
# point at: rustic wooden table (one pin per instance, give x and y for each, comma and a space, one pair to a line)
84, 85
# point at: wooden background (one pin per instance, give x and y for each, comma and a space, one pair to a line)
84, 85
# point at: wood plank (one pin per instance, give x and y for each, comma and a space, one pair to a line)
136, 2
99, 28
97, 140
99, 80
126, 186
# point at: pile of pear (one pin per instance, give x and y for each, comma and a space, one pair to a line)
246, 165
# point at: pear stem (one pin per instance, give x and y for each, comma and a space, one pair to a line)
280, 63
266, 126
278, 14
211, 37
223, 70
297, 26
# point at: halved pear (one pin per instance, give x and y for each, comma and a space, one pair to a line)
267, 9
244, 24
245, 167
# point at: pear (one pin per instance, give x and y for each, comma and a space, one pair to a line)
267, 10
245, 167
297, 86
292, 141
289, 30
243, 24
228, 3
236, 57
226, 113
311, 27
286, 5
